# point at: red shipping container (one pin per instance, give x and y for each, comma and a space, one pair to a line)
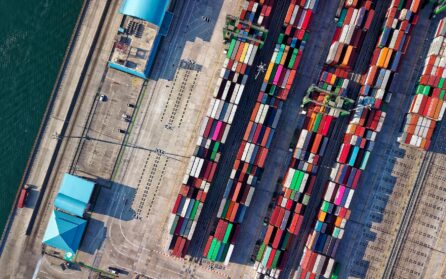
277, 238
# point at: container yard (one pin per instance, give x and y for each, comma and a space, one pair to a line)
253, 151
217, 123
242, 139
428, 104
288, 214
366, 122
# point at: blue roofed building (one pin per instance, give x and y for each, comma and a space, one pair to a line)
64, 232
74, 195
145, 23
149, 10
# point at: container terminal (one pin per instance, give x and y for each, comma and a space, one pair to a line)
240, 139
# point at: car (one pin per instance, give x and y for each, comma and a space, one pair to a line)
103, 98
131, 105
122, 131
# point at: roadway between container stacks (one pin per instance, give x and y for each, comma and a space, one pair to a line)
230, 148
336, 138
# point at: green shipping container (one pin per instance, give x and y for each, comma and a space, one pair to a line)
420, 88
293, 59
280, 54
442, 93
227, 233
317, 122
215, 252
261, 251
306, 199
276, 259
342, 17
336, 232
325, 206
174, 225
297, 178
441, 83
224, 253
285, 240
280, 38
305, 38
225, 209
212, 248
426, 90
231, 48
215, 150
273, 73
266, 256
194, 210
364, 160
273, 89
292, 195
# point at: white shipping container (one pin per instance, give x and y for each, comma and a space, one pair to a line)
319, 260
231, 116
245, 151
329, 192
226, 90
342, 38
293, 16
350, 32
234, 93
252, 56
248, 54
332, 52
443, 108
239, 94
229, 254
329, 268
250, 195
289, 177
225, 135
250, 152
302, 137
192, 230
222, 206
200, 166
304, 182
264, 112
215, 109
186, 205
349, 198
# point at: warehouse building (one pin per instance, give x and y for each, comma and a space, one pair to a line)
145, 23
66, 226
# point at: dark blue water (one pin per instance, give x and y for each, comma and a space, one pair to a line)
34, 35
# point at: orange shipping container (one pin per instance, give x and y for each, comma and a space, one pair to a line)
347, 56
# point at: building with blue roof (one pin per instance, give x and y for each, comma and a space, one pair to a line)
64, 232
152, 11
139, 36
74, 195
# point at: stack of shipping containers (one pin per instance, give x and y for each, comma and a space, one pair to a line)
251, 155
217, 122
428, 104
288, 213
365, 123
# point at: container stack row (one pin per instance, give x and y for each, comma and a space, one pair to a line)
365, 123
429, 103
287, 215
349, 34
260, 130
217, 123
